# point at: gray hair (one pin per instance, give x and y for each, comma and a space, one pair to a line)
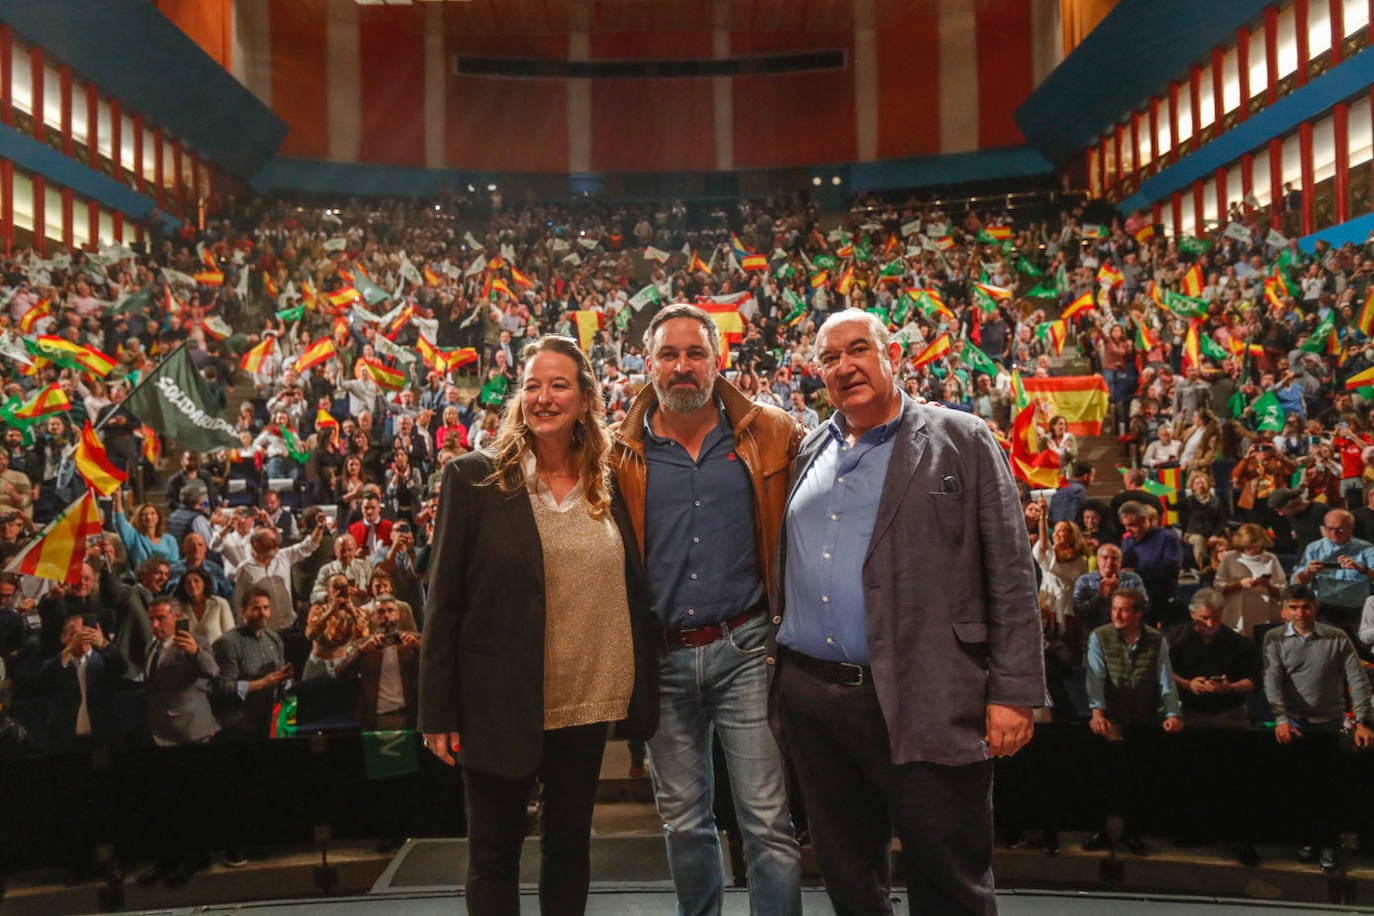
881, 337
1206, 597
1139, 510
683, 310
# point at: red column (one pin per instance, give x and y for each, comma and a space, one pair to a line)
1198, 194
7, 204
1247, 181
1222, 177
1195, 97
1271, 54
1308, 181
1275, 181
1135, 142
196, 196
1176, 210
1157, 212
1154, 133
1120, 162
138, 154
1102, 165
40, 128
6, 87
1304, 46
40, 212
1340, 122
1337, 31
64, 81
1173, 121
1218, 96
1243, 70
158, 192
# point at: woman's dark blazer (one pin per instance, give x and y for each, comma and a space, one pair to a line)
482, 656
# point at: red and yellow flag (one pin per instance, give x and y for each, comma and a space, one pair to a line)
998, 233
430, 355
324, 419
520, 279
152, 445
42, 309
1108, 275
1077, 306
1145, 233
727, 318
461, 356
1192, 357
754, 262
387, 378
1082, 400
254, 359
820, 278
344, 296
88, 358
210, 278
1028, 460
846, 281
270, 286
50, 400
934, 350
95, 466
315, 354
1365, 322
499, 285
1193, 281
60, 551
431, 277
698, 265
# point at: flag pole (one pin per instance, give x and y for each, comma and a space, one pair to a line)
143, 379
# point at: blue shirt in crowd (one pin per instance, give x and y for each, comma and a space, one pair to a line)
1346, 588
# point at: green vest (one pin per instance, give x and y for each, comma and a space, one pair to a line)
1132, 687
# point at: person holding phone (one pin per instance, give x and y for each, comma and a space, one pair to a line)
387, 664
80, 683
1337, 568
537, 631
1251, 581
177, 675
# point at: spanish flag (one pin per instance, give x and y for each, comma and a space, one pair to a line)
254, 359
343, 297
1244, 348
1360, 379
72, 355
698, 265
754, 262
1193, 281
499, 285
588, 322
41, 310
324, 419
386, 377
210, 278
1272, 294
315, 354
820, 278
50, 400
998, 233
430, 276
1028, 461
460, 356
1077, 306
846, 281
1080, 399
934, 350
95, 465
1145, 233
520, 279
60, 550
270, 285
430, 355
1366, 320
1108, 275
1192, 358
727, 318
996, 293
152, 445
207, 258
891, 246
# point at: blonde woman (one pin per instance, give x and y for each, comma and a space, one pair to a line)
1251, 579
1062, 553
534, 556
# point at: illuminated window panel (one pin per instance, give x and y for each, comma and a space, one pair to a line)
1292, 160
21, 80
1206, 98
1361, 136
1323, 149
1318, 29
1189, 226
126, 142
52, 212
1356, 16
79, 132
1185, 114
106, 228
1235, 189
103, 129
23, 201
1162, 126
1288, 42
1230, 81
52, 97
1261, 173
1259, 68
149, 154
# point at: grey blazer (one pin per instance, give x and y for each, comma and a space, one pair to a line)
953, 617
179, 695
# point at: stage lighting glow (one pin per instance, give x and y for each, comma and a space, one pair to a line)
835, 181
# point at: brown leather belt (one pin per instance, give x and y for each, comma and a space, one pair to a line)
844, 674
704, 636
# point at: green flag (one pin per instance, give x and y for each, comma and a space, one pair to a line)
1268, 413
1194, 246
893, 269
645, 296
977, 360
1185, 306
785, 270
1237, 403
1027, 268
984, 301
387, 754
796, 307
1155, 488
881, 313
371, 292
1210, 348
493, 393
902, 309
178, 402
863, 251
294, 314
825, 261
1316, 343
1043, 291
134, 302
293, 446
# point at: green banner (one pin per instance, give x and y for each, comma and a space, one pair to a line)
177, 401
389, 754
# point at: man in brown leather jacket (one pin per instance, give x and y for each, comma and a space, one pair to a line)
704, 472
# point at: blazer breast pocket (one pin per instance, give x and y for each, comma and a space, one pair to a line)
947, 506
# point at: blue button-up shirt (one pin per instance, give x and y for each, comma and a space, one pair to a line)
1336, 586
699, 551
829, 526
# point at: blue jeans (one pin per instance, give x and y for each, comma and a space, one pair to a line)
721, 689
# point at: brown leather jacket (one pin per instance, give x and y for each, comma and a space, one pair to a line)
766, 440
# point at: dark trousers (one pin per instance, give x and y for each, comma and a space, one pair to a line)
855, 797
568, 772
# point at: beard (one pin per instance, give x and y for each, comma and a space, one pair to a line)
683, 400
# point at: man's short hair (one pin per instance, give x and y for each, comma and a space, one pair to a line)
1131, 507
1301, 593
172, 604
1206, 597
256, 591
149, 565
1082, 468
683, 310
881, 336
1138, 599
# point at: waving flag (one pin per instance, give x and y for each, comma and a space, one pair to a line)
210, 278
430, 355
698, 265
1109, 276
1077, 306
71, 355
727, 318
49, 401
1193, 281
1038, 468
386, 377
58, 553
41, 309
934, 350
846, 281
520, 279
1082, 400
94, 465
315, 354
253, 360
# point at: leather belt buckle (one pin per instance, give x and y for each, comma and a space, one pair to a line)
843, 670
687, 638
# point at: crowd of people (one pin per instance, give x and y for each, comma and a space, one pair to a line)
380, 341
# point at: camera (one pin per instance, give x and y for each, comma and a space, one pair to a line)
391, 639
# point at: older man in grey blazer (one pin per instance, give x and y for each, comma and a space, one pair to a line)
178, 672
906, 651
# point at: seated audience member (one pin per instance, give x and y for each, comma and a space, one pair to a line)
253, 670
210, 615
1308, 667
1099, 525
1133, 481
387, 663
1067, 503
1297, 523
1092, 593
1155, 553
177, 675
1337, 568
1214, 666
1251, 581
80, 684
1129, 682
1164, 451
333, 625
1202, 514
195, 554
371, 532
357, 570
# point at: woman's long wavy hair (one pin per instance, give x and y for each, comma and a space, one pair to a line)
591, 445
